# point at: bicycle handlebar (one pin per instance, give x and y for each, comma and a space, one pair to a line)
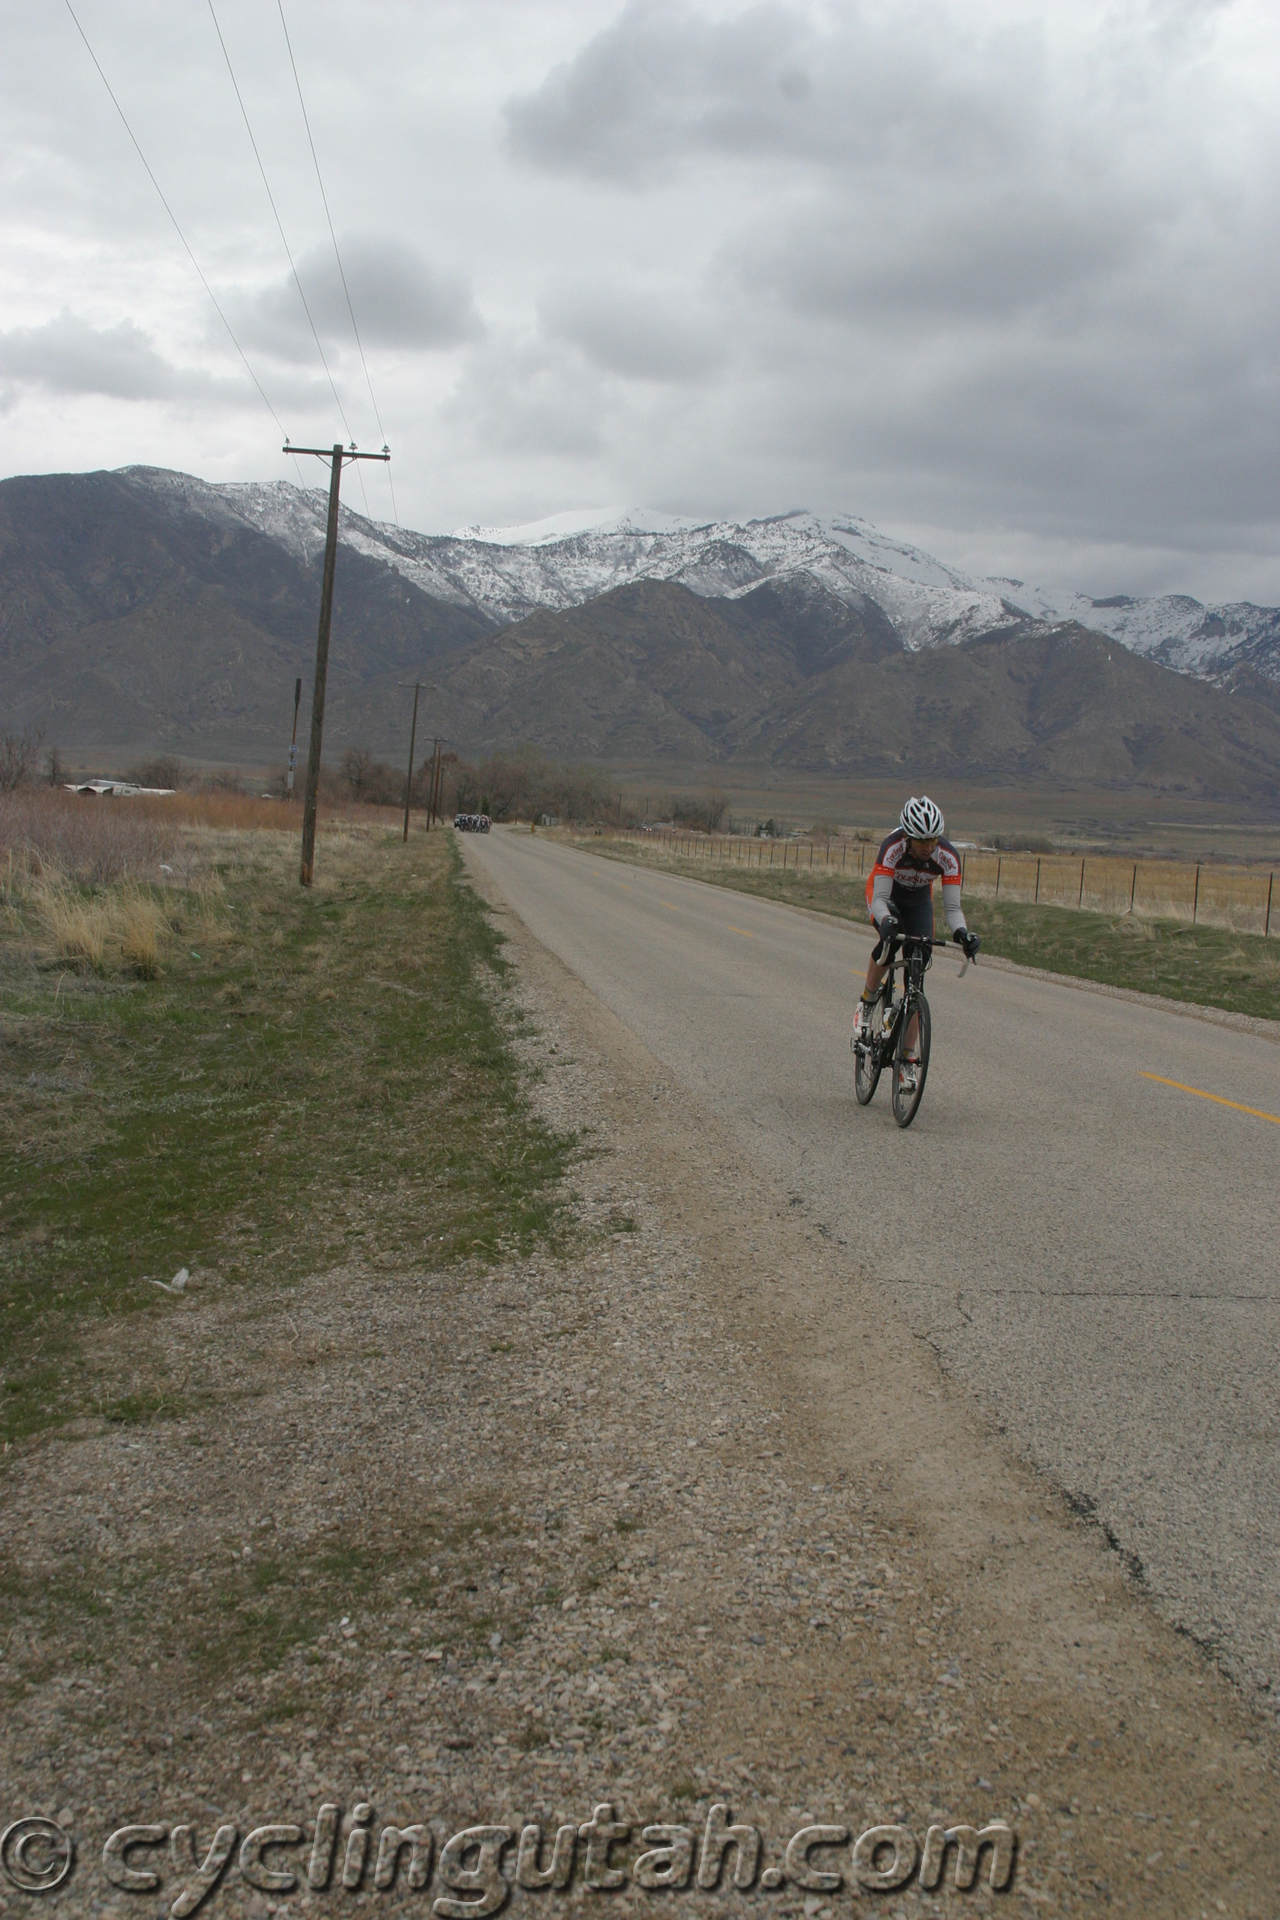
924, 943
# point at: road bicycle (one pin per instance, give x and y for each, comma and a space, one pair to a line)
892, 1012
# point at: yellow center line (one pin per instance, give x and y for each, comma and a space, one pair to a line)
1217, 1098
743, 932
669, 906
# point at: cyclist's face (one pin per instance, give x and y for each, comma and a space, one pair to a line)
921, 849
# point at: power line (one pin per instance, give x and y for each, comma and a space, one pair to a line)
306, 121
174, 218
284, 241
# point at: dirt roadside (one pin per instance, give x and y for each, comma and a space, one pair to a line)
678, 1516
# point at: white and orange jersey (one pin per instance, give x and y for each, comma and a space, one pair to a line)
897, 870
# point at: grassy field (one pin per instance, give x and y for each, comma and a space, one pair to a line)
1208, 966
248, 1080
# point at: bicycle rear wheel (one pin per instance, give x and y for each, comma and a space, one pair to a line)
906, 1104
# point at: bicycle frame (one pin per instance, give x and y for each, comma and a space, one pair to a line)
915, 958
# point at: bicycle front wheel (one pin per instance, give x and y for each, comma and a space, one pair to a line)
906, 1096
866, 1072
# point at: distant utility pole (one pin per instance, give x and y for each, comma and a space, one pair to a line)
413, 735
433, 806
293, 744
338, 457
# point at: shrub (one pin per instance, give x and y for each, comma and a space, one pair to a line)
1021, 843
86, 840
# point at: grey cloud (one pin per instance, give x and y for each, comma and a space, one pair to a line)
954, 257
990, 265
401, 302
529, 397
68, 355
638, 334
663, 83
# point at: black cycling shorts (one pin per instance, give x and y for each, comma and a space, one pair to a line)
914, 908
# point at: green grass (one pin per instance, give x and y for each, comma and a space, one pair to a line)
313, 1076
1207, 966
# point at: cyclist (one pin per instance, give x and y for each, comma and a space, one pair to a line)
900, 901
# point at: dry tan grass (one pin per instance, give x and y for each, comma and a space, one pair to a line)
75, 928
123, 929
98, 842
140, 927
125, 923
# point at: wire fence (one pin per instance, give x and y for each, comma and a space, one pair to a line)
1198, 893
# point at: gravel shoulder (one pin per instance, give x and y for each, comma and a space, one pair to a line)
672, 1512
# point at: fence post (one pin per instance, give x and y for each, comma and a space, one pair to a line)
1270, 884
811, 856
999, 864
862, 847
1195, 904
1133, 887
844, 855
1080, 901
1036, 901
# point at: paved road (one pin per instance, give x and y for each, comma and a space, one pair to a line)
1095, 1253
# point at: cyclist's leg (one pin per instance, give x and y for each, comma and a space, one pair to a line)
875, 975
916, 913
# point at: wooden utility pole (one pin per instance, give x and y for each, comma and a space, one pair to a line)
337, 458
413, 735
293, 744
408, 779
434, 812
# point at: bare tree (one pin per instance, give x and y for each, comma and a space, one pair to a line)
357, 767
19, 758
56, 768
162, 770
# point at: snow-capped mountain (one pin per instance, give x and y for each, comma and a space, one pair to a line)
506, 573
1181, 633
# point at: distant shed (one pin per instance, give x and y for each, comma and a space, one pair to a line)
112, 789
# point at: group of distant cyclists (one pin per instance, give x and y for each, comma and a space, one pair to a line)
471, 822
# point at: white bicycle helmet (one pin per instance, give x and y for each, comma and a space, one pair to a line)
922, 819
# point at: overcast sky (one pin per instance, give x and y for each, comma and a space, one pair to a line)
998, 277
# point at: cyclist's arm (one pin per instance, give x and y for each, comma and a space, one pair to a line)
951, 906
881, 888
948, 861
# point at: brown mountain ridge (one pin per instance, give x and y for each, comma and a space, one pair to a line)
126, 624
794, 678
